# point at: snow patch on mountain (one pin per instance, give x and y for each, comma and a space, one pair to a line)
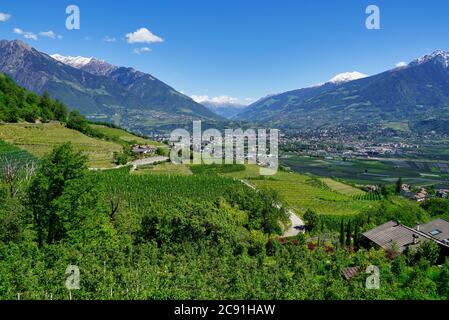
76, 62
347, 77
439, 55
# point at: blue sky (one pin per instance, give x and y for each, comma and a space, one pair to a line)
243, 49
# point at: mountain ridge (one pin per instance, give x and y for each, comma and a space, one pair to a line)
415, 92
122, 95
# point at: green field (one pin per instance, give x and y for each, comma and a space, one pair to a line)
142, 191
40, 139
217, 169
414, 172
302, 192
342, 188
123, 135
10, 151
164, 169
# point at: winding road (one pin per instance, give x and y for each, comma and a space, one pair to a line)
297, 225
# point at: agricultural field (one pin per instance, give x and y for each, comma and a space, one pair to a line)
40, 139
303, 192
144, 190
342, 188
414, 172
123, 135
166, 168
9, 151
217, 169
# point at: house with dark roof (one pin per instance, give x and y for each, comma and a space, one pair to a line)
437, 229
143, 149
394, 235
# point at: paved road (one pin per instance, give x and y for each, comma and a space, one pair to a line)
296, 221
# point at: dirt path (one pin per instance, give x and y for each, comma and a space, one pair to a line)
135, 164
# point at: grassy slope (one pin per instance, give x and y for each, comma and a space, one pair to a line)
39, 139
303, 192
123, 135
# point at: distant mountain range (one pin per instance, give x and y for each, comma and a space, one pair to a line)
225, 109
101, 91
417, 93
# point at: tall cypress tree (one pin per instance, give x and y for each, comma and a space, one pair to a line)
356, 235
399, 186
342, 233
348, 234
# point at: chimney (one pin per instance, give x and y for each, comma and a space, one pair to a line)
415, 239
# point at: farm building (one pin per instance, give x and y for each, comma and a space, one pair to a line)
139, 149
442, 193
395, 235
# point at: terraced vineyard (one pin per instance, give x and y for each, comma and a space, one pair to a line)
40, 139
123, 135
342, 188
302, 192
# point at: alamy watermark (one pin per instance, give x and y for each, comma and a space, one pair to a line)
73, 21
235, 146
72, 281
372, 22
373, 280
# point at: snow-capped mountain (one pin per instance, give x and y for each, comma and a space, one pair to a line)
92, 65
438, 56
265, 107
76, 62
98, 89
224, 106
347, 77
412, 93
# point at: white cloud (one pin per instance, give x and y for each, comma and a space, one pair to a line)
50, 34
141, 50
109, 39
219, 100
4, 17
143, 35
25, 34
401, 64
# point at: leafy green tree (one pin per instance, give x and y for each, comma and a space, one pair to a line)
311, 220
121, 158
384, 191
429, 251
57, 169
443, 280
